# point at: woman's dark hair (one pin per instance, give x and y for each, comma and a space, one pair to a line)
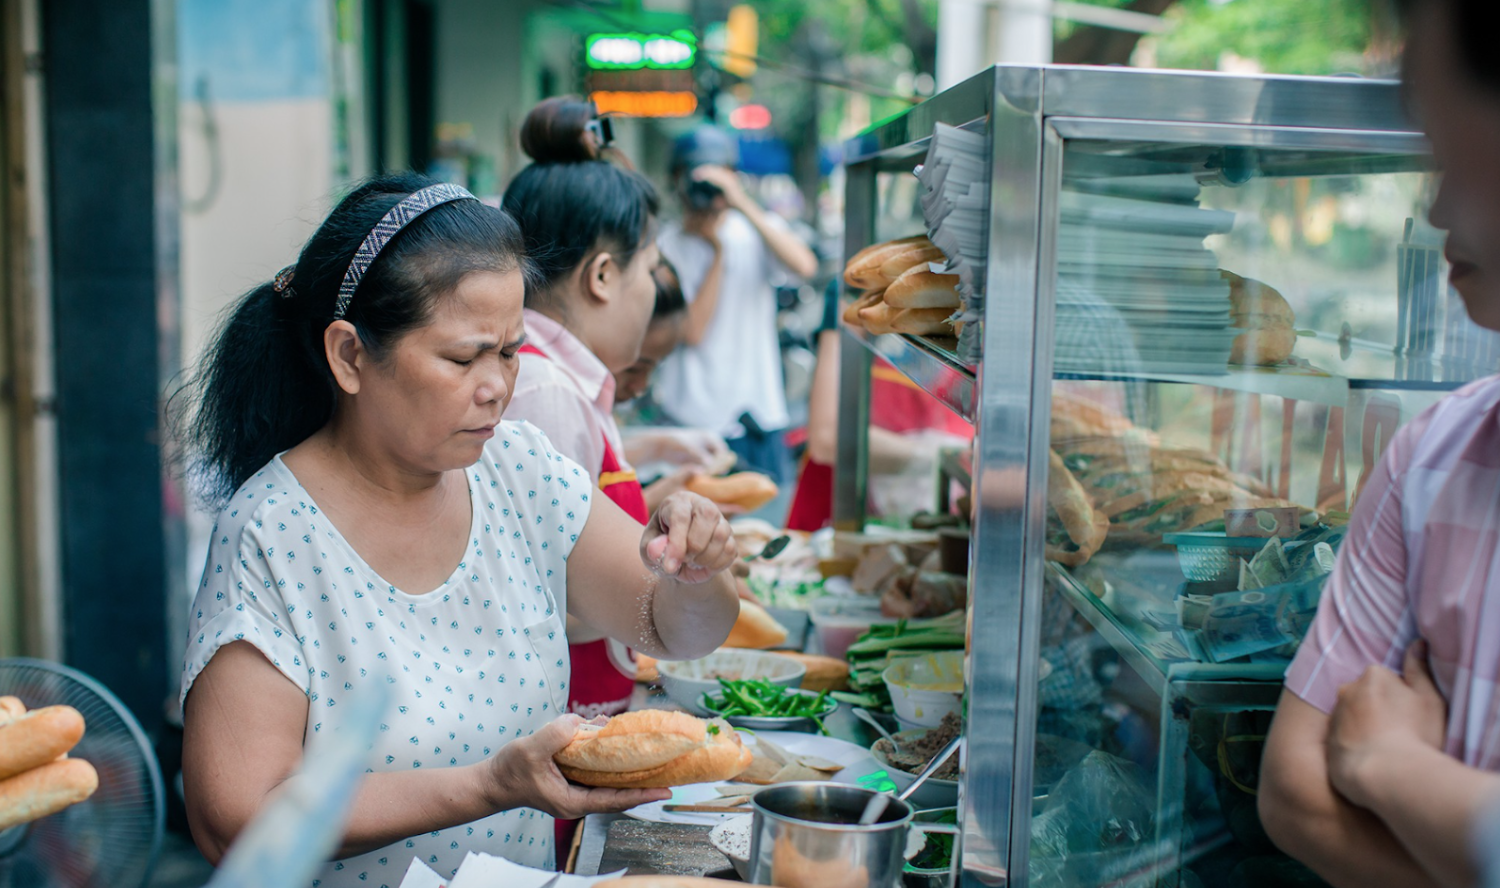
1472, 35
264, 384
669, 298
569, 208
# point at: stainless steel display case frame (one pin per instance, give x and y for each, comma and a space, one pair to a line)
1027, 113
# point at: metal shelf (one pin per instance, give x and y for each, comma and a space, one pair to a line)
930, 363
934, 366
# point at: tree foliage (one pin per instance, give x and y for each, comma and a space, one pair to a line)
1282, 36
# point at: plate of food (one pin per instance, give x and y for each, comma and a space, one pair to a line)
779, 757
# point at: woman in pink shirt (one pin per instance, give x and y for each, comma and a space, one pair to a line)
1372, 777
590, 233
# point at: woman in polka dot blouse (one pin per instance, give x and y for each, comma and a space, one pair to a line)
368, 537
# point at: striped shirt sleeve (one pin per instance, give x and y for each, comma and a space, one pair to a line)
1365, 616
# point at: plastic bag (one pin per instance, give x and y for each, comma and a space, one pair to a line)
1098, 824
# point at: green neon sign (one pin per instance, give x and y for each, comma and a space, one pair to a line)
633, 51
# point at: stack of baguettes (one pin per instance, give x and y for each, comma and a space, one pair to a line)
902, 294
36, 776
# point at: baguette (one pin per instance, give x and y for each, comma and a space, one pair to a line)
11, 708
920, 288
923, 322
869, 300
914, 257
755, 628
877, 318
863, 268
37, 738
747, 490
646, 670
45, 790
823, 673
653, 749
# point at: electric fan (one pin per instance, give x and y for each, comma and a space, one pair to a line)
111, 838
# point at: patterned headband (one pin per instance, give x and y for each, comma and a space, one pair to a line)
412, 206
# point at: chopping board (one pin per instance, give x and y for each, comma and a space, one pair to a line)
643, 849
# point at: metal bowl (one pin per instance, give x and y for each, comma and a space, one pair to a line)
712, 704
809, 833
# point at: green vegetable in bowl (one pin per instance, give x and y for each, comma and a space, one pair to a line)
758, 698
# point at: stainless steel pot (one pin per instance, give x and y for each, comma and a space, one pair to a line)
807, 835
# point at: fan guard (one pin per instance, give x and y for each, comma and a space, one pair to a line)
113, 837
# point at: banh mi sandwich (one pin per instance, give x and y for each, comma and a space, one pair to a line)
1145, 524
1107, 471
653, 749
1159, 485
1075, 531
863, 270
920, 288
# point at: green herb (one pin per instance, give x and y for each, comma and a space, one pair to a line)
937, 854
758, 698
713, 730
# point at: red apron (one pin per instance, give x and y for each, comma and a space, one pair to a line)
603, 671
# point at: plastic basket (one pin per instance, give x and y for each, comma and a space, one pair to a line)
1213, 557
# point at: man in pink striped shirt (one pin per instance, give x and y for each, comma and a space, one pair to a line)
1387, 736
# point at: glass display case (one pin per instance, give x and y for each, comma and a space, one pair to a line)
1198, 308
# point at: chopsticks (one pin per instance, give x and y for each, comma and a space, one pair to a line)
706, 809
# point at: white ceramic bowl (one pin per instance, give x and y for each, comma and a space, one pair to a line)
686, 681
925, 687
732, 839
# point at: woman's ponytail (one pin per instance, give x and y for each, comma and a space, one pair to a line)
257, 392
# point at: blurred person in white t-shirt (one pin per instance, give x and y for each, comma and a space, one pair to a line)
728, 252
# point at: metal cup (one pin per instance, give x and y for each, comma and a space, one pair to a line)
807, 835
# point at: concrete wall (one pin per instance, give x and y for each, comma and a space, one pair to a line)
257, 162
480, 58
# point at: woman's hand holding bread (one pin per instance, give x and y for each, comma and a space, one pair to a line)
653, 748
523, 774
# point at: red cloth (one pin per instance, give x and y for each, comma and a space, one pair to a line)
896, 405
